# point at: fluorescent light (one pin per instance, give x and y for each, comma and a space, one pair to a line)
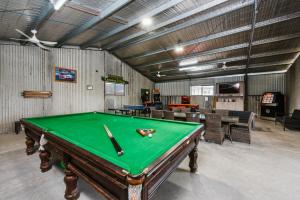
188, 62
197, 68
179, 49
147, 21
235, 75
58, 4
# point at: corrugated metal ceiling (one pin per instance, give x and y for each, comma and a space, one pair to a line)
205, 37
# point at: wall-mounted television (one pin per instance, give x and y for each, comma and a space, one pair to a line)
229, 88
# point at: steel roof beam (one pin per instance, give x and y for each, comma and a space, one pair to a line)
219, 35
223, 49
251, 66
239, 58
132, 23
103, 15
294, 60
254, 16
204, 17
241, 67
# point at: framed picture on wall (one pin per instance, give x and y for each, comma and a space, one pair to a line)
120, 89
65, 75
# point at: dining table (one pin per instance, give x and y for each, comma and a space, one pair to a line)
227, 121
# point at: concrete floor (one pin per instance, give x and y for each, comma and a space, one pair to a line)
268, 169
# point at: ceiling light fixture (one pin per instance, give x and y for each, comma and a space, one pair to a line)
147, 21
197, 68
58, 3
179, 49
188, 62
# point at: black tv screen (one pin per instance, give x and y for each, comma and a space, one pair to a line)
229, 88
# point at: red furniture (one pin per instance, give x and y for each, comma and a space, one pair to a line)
171, 106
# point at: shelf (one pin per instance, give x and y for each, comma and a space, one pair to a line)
36, 94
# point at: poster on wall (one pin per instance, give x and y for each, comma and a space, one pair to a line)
66, 75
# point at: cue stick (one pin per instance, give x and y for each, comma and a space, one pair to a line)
113, 141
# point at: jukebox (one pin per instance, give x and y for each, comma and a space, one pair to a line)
272, 105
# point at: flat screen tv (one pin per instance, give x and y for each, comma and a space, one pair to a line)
229, 88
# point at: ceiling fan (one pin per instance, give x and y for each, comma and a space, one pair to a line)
35, 40
224, 66
160, 75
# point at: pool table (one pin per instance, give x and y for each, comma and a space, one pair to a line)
80, 142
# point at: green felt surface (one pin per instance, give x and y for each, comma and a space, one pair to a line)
86, 130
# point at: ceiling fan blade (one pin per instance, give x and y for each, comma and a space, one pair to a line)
42, 46
19, 39
22, 33
48, 43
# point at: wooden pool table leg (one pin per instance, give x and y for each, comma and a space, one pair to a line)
29, 145
193, 157
71, 192
45, 160
70, 179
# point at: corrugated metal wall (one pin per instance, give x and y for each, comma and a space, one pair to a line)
74, 97
174, 88
258, 84
132, 90
21, 68
30, 68
213, 81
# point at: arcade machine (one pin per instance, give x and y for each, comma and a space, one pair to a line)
272, 105
145, 96
156, 99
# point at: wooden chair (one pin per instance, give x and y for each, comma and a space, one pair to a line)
168, 115
158, 114
214, 132
192, 117
241, 132
222, 112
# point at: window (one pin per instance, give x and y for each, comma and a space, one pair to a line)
206, 90
117, 89
120, 89
196, 90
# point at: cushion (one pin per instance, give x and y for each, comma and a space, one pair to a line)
296, 114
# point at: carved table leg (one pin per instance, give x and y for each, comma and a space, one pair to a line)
193, 158
29, 145
70, 179
45, 161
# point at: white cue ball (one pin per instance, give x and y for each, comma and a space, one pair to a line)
150, 135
